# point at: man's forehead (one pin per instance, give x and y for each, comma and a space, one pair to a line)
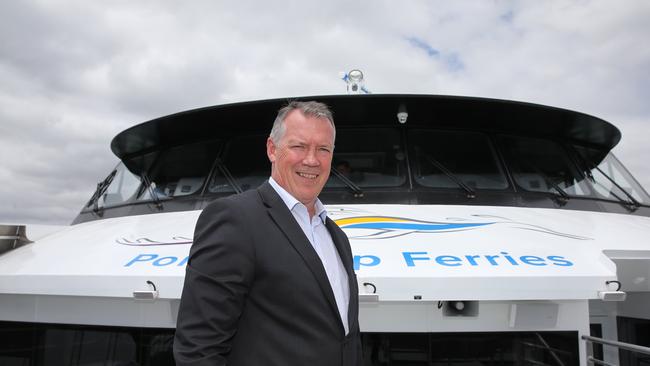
305, 140
295, 130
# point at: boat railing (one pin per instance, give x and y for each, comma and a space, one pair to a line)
620, 345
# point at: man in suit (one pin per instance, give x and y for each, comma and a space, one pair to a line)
270, 280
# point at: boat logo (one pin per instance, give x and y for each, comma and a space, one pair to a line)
385, 227
145, 242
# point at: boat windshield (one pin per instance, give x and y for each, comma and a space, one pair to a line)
244, 159
443, 158
178, 171
376, 162
369, 162
539, 165
119, 187
610, 179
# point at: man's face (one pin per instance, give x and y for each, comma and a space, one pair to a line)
301, 160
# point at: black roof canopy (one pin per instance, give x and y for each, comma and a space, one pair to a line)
440, 111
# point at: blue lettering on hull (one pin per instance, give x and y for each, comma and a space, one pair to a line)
411, 259
156, 260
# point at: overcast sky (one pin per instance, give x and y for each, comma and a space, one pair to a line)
75, 73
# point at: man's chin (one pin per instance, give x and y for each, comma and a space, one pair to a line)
308, 196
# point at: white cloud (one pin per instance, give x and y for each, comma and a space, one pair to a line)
75, 73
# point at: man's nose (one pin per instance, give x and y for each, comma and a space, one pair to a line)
310, 158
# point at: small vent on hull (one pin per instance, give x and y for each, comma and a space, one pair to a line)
12, 237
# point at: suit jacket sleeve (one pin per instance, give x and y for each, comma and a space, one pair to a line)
218, 276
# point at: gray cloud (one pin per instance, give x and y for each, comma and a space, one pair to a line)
73, 73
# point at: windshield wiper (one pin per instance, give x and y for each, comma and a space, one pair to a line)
356, 191
101, 189
562, 197
470, 192
151, 186
631, 205
226, 173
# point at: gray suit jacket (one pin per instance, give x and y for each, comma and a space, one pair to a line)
256, 292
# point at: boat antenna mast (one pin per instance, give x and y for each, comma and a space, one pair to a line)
355, 82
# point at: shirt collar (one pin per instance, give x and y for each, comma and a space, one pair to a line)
291, 201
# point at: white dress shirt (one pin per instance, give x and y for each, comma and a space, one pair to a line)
321, 241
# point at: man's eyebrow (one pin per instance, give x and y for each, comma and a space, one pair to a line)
295, 141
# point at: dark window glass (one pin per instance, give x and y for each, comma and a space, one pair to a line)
369, 158
368, 162
83, 345
59, 345
156, 347
468, 156
181, 171
16, 344
634, 331
245, 158
511, 348
69, 346
542, 166
596, 330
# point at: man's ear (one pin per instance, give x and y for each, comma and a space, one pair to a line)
270, 150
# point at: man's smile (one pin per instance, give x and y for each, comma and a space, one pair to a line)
307, 175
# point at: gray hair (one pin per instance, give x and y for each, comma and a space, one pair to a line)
308, 109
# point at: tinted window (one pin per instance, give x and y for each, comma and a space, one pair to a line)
542, 166
181, 171
63, 345
374, 158
369, 158
467, 156
378, 161
245, 159
466, 348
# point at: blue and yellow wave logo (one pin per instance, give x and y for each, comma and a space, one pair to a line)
384, 227
381, 227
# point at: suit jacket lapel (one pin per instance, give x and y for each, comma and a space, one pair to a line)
346, 258
344, 252
283, 218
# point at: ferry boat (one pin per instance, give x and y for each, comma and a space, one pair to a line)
484, 232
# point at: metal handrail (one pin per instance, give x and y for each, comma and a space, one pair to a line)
622, 345
599, 362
